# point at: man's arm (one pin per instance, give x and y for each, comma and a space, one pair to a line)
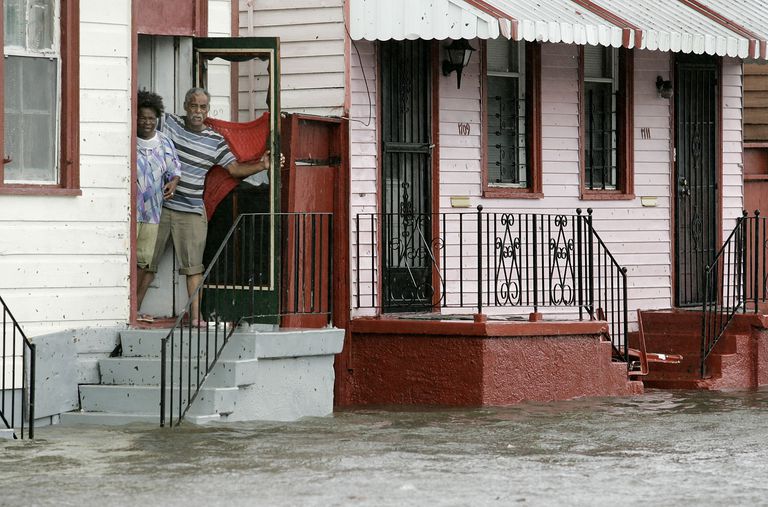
237, 170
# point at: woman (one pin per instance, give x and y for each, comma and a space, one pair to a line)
157, 173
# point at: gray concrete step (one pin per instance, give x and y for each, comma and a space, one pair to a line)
146, 371
112, 419
107, 419
147, 342
283, 343
122, 399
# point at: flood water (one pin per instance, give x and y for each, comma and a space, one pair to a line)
661, 448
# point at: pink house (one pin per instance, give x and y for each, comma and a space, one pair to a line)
528, 181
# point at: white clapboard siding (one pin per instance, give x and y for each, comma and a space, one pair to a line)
311, 52
732, 184
219, 71
64, 261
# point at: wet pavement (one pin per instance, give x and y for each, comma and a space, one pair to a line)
661, 448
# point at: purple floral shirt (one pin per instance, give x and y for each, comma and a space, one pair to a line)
157, 163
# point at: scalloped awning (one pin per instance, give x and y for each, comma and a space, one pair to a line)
736, 28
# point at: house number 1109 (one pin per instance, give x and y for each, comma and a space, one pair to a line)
464, 129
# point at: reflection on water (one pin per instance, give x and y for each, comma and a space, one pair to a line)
662, 448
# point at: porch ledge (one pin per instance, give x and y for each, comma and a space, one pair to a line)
390, 325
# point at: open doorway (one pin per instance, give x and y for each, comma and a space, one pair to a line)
242, 77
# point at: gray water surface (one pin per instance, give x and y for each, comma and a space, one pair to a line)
661, 448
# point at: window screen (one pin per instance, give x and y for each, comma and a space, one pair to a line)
31, 80
506, 119
600, 87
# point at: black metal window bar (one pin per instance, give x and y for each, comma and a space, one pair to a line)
480, 260
17, 388
736, 280
246, 282
600, 137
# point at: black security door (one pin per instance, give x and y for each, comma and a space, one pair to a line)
696, 145
406, 120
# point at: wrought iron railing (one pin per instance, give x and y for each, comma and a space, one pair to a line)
735, 280
248, 282
510, 262
17, 390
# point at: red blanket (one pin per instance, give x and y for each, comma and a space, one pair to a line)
248, 142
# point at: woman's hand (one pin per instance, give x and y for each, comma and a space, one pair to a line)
170, 188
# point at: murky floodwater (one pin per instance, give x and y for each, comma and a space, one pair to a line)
662, 448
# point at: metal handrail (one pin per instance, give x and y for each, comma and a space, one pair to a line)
8, 415
482, 260
735, 270
241, 274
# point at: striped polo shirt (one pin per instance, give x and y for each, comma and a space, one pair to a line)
198, 152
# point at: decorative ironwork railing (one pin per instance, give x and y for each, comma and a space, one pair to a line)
17, 387
735, 280
246, 282
480, 260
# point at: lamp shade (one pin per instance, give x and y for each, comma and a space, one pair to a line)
459, 52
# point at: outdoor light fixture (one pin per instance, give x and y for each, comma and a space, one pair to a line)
664, 87
459, 53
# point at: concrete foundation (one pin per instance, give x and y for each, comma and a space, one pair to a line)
398, 362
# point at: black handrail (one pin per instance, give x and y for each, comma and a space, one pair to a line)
8, 415
734, 279
481, 260
248, 282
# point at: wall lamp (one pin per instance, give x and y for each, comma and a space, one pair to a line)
664, 87
459, 53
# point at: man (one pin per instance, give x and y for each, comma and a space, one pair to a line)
183, 219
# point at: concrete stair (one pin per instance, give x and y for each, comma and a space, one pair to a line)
679, 332
256, 373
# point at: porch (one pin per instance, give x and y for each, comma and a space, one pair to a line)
481, 308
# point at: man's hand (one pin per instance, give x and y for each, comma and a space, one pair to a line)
265, 159
246, 169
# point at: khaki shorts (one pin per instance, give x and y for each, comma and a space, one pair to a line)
188, 231
146, 238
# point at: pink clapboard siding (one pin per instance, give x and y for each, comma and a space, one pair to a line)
640, 237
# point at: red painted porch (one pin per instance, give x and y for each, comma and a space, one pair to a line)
738, 361
394, 361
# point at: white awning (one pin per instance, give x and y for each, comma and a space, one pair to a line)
737, 28
419, 19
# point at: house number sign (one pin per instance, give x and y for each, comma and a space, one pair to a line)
464, 129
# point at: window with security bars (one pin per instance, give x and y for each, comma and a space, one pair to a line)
507, 161
601, 82
32, 74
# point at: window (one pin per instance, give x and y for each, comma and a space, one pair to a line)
606, 123
40, 89
511, 126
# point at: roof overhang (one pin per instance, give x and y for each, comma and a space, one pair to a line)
686, 26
